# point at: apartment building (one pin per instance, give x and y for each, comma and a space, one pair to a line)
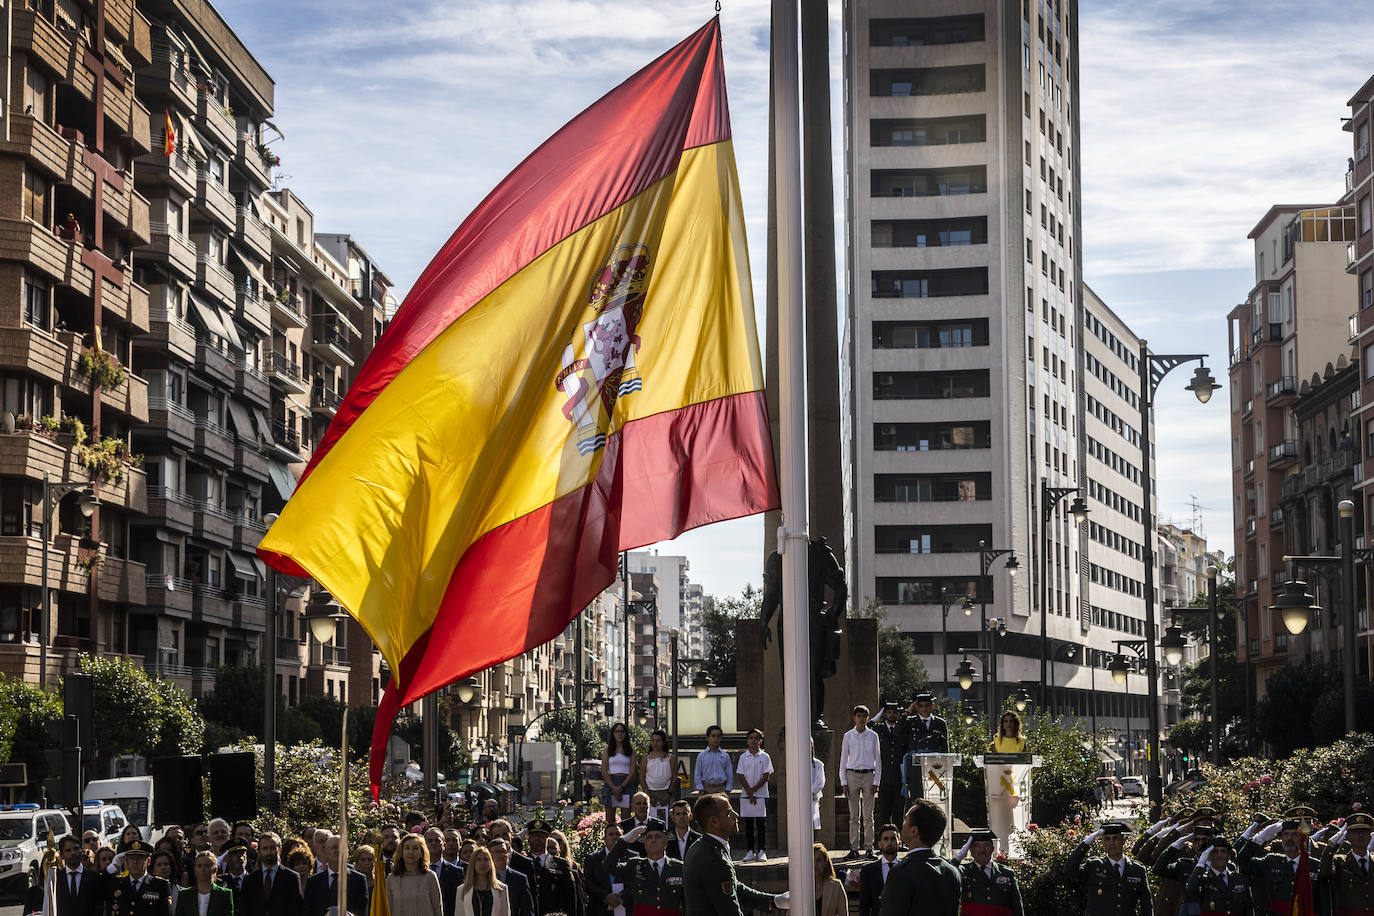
679, 599
1359, 189
1293, 323
70, 307
964, 293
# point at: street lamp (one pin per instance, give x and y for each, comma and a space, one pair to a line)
323, 617
1078, 509
948, 600
1022, 699
1173, 643
1296, 606
965, 674
702, 684
466, 689
1153, 367
1119, 665
986, 557
53, 494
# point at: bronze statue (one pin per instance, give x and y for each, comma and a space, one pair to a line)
823, 570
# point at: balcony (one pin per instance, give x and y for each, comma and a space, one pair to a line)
214, 277
177, 335
1282, 389
214, 120
250, 461
325, 401
174, 508
330, 343
168, 72
61, 259
213, 440
214, 365
1354, 329
1352, 254
283, 372
213, 198
288, 650
286, 442
251, 309
287, 306
171, 420
1283, 453
210, 604
250, 161
170, 245
168, 591
252, 233
251, 385
212, 523
174, 171
247, 529
129, 399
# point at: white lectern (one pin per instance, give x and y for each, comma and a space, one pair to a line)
937, 785
1008, 781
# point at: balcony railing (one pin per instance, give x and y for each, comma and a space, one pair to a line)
325, 398
331, 335
154, 581
171, 407
1284, 386
1287, 450
286, 436
174, 236
1354, 328
170, 495
277, 364
205, 423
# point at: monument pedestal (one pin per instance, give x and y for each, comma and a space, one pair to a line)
760, 702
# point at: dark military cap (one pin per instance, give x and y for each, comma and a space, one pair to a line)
237, 842
539, 825
655, 824
1204, 813
982, 834
1219, 842
1359, 821
925, 696
1114, 828
893, 704
137, 848
1301, 812
1292, 823
1203, 832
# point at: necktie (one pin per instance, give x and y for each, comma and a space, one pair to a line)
988, 872
333, 887
266, 883
658, 870
71, 882
1364, 866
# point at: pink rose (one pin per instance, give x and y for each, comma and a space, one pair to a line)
1077, 819
1266, 780
1032, 826
1357, 806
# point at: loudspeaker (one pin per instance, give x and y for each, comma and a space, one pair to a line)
78, 699
177, 794
233, 786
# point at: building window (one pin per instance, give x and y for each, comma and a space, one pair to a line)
35, 301
1367, 289
36, 197
35, 94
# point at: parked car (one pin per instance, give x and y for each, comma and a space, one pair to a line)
1132, 785
24, 833
106, 820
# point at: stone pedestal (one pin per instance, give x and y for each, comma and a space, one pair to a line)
760, 702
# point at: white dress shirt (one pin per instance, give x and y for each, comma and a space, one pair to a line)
859, 751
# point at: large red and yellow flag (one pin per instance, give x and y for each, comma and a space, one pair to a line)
576, 373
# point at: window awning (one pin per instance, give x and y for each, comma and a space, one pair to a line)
231, 333
208, 316
338, 313
288, 264
281, 478
249, 262
264, 428
245, 567
243, 426
198, 143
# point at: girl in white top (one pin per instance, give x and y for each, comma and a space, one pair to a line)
656, 771
817, 787
618, 771
753, 770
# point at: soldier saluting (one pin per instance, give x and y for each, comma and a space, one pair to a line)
139, 893
1284, 873
1348, 872
1114, 883
1215, 886
653, 881
989, 888
1175, 864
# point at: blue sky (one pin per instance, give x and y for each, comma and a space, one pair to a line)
1196, 117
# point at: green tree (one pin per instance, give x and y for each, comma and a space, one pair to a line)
1197, 677
1192, 736
718, 620
136, 713
25, 711
1285, 716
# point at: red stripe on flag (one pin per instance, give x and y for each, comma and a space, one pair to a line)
520, 585
630, 138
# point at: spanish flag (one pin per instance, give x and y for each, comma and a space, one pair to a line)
576, 373
169, 138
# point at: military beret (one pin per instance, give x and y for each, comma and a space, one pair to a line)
539, 825
982, 834
1115, 828
1359, 821
655, 824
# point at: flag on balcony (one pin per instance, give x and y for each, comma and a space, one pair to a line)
169, 142
576, 373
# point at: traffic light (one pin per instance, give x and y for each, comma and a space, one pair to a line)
653, 698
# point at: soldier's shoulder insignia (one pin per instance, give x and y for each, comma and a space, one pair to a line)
727, 888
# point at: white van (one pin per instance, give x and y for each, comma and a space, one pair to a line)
133, 794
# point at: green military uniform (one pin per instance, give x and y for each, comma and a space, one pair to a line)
1274, 871
148, 896
983, 894
1349, 876
709, 885
1172, 867
651, 888
1111, 889
1219, 893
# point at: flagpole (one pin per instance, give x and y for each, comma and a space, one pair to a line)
341, 867
792, 539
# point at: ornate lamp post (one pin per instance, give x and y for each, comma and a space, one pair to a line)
1049, 498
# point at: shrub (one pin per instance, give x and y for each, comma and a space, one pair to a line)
1044, 886
101, 368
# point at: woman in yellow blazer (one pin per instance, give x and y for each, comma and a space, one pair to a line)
1009, 739
204, 897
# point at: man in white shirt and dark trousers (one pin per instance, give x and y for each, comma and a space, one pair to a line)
861, 774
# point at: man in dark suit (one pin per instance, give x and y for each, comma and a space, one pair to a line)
518, 891
139, 893
451, 874
80, 891
681, 836
874, 875
321, 891
922, 882
601, 871
274, 889
709, 884
500, 829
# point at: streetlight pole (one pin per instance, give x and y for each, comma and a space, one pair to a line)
53, 494
986, 557
1153, 368
1346, 510
625, 584
1214, 651
948, 601
580, 725
1049, 498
